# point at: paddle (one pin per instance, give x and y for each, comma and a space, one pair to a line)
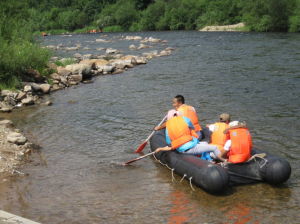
139, 158
142, 146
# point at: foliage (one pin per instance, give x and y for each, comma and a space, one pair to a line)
65, 62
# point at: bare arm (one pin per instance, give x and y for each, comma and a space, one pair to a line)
167, 148
160, 127
234, 127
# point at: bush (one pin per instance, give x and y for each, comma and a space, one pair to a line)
113, 29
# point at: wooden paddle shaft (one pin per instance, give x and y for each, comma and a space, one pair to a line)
139, 158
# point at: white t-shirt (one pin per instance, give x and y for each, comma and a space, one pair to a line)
227, 145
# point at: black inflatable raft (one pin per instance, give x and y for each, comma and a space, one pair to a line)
215, 178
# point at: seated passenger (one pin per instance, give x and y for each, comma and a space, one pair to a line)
218, 138
239, 145
181, 136
186, 111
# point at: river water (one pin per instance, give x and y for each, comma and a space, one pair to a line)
92, 128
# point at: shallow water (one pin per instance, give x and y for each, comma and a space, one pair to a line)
91, 128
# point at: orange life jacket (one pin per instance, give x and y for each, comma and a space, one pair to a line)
241, 145
218, 137
178, 131
189, 112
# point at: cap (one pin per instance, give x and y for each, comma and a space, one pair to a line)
171, 113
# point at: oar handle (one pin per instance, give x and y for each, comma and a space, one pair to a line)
152, 133
139, 158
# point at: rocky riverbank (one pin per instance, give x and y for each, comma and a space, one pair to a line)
14, 147
231, 28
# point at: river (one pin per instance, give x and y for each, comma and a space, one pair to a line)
92, 128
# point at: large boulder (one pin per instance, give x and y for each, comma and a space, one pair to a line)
83, 69
16, 138
21, 96
27, 88
45, 88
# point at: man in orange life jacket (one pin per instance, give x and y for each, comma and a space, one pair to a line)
186, 111
239, 145
181, 136
218, 138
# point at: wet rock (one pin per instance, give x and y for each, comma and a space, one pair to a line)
133, 38
108, 68
16, 138
143, 46
6, 123
88, 81
63, 71
111, 51
29, 100
47, 103
151, 40
6, 109
55, 87
64, 80
170, 49
141, 60
75, 78
100, 48
72, 48
165, 53
10, 100
102, 40
45, 88
132, 47
87, 56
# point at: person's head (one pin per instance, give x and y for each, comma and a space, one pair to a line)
178, 101
171, 113
225, 118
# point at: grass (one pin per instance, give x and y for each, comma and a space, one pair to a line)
65, 62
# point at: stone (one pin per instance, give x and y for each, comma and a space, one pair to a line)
108, 68
6, 109
75, 78
7, 123
21, 96
87, 56
47, 103
111, 51
35, 87
141, 60
77, 55
27, 88
102, 40
64, 80
143, 46
45, 88
132, 47
16, 138
52, 66
28, 100
164, 53
55, 76
63, 71
133, 38
10, 100
6, 92
84, 69
55, 87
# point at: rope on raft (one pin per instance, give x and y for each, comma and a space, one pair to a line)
172, 171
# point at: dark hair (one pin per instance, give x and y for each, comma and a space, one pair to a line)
180, 98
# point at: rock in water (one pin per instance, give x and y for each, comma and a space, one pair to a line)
45, 88
16, 138
28, 101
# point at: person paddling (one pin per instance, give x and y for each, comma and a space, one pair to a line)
186, 111
180, 135
239, 144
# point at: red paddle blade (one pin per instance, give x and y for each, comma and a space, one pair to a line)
141, 147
